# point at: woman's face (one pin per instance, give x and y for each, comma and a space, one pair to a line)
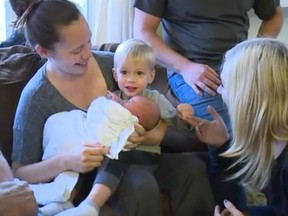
221, 88
71, 54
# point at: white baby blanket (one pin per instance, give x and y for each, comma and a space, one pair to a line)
106, 122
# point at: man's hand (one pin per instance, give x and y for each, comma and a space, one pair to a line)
17, 199
201, 77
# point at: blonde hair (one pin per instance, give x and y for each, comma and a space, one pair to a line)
135, 49
255, 76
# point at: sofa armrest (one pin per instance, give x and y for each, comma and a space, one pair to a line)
18, 65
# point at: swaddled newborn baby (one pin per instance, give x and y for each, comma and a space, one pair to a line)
106, 122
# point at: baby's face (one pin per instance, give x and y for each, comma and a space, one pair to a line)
145, 110
133, 105
133, 76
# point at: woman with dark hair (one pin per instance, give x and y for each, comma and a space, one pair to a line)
71, 79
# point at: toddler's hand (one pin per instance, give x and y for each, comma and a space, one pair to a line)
113, 97
136, 137
186, 113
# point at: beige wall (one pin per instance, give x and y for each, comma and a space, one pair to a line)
255, 23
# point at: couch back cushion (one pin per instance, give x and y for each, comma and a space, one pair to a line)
17, 65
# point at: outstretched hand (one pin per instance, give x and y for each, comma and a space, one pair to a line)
211, 132
230, 210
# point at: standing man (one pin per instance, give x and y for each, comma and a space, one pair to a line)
196, 35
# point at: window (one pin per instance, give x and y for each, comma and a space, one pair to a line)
2, 21
6, 18
109, 20
82, 5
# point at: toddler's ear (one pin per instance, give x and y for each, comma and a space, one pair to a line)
114, 74
152, 76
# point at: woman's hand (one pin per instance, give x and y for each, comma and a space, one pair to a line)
230, 210
85, 158
211, 132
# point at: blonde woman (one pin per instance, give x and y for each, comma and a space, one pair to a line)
255, 89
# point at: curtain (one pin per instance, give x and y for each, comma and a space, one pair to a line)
111, 20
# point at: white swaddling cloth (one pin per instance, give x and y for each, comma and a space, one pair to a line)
106, 122
113, 123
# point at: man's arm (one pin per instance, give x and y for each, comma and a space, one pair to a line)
196, 75
145, 28
272, 26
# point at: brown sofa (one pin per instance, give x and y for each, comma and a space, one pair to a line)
18, 64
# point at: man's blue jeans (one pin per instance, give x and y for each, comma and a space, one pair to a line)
186, 94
